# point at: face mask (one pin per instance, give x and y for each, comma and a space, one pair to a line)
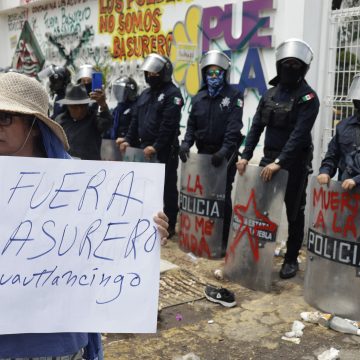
153, 81
215, 84
356, 104
88, 88
290, 75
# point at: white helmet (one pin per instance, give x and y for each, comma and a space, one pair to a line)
218, 58
294, 48
354, 91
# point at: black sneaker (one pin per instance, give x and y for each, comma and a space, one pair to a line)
289, 269
220, 295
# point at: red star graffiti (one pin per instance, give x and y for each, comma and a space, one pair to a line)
240, 212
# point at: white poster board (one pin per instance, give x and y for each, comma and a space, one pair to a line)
79, 251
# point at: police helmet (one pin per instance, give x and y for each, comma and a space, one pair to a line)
60, 78
124, 89
294, 48
85, 71
158, 64
218, 58
354, 91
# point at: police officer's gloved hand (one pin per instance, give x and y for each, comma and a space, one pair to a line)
184, 152
217, 159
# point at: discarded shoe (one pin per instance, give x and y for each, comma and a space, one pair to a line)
289, 270
220, 295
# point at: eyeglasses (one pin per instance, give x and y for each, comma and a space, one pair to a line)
6, 119
212, 72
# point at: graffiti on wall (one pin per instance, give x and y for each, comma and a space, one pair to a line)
136, 28
28, 56
202, 30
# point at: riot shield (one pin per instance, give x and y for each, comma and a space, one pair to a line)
332, 276
202, 199
252, 239
109, 150
137, 155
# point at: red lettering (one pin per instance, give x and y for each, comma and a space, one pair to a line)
108, 8
350, 226
205, 226
317, 196
185, 222
197, 186
334, 202
335, 228
320, 221
118, 47
119, 6
161, 45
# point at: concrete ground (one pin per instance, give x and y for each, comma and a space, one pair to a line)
250, 330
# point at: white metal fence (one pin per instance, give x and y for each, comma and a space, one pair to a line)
344, 63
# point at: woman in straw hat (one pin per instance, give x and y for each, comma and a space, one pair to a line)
26, 130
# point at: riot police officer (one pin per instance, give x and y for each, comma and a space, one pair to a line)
155, 126
58, 81
215, 123
288, 111
59, 78
124, 91
344, 148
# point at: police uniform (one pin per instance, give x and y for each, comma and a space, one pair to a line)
214, 125
288, 114
155, 122
344, 151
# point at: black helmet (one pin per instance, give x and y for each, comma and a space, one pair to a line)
59, 79
124, 89
158, 64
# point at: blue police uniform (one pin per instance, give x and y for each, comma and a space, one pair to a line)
215, 125
344, 151
288, 114
156, 122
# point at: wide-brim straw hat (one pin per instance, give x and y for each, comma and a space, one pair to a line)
24, 95
75, 95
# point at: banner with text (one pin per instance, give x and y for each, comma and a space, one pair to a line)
78, 246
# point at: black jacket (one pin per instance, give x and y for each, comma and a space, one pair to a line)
85, 135
344, 151
290, 137
156, 118
215, 122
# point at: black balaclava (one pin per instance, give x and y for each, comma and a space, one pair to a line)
291, 71
154, 82
356, 103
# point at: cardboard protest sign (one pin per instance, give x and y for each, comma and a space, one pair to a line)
79, 251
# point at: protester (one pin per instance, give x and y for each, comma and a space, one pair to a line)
124, 91
155, 126
343, 152
215, 123
26, 130
288, 111
84, 76
83, 125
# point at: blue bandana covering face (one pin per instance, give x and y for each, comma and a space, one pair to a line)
215, 84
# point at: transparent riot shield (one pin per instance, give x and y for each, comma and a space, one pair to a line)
332, 277
109, 150
252, 239
137, 155
202, 199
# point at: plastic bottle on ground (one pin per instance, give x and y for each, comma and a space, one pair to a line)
343, 325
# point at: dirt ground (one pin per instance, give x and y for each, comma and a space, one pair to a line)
250, 330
